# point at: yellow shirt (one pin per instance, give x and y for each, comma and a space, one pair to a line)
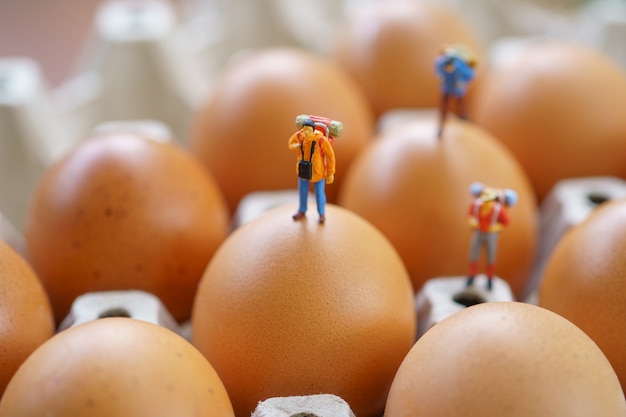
322, 166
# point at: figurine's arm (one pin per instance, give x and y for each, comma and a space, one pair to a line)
473, 223
330, 161
467, 72
294, 142
471, 218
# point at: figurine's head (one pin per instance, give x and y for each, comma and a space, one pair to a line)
460, 52
308, 122
489, 194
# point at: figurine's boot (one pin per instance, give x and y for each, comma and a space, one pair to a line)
473, 268
298, 215
489, 272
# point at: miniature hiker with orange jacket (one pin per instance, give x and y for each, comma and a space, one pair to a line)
487, 217
315, 164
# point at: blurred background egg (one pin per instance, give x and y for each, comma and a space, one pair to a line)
241, 133
415, 189
296, 308
26, 319
505, 359
390, 47
122, 211
559, 108
584, 281
116, 367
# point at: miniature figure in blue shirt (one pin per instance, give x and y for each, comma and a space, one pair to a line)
455, 67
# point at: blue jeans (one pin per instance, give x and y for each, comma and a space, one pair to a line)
320, 195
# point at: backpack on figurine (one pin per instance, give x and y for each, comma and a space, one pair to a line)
330, 129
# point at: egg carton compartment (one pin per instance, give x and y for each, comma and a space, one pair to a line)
135, 304
134, 67
256, 203
321, 405
32, 134
442, 297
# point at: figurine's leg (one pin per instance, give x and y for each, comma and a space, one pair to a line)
443, 112
320, 199
461, 110
475, 244
489, 271
492, 247
303, 192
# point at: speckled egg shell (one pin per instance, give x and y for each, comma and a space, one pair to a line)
26, 319
116, 367
125, 212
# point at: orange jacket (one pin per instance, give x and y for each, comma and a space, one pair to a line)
323, 166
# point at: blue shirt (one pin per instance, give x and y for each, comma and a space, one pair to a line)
456, 78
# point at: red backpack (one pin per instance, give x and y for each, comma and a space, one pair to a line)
331, 129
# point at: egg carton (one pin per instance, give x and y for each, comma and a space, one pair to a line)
442, 297
149, 48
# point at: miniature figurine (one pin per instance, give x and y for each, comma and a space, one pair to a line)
455, 67
316, 159
487, 217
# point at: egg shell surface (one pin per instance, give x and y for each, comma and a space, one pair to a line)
242, 131
390, 48
584, 280
26, 319
558, 107
505, 359
415, 189
298, 308
116, 367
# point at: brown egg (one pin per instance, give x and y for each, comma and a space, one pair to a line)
584, 281
125, 212
241, 134
116, 367
390, 48
26, 319
505, 359
296, 308
415, 189
559, 108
